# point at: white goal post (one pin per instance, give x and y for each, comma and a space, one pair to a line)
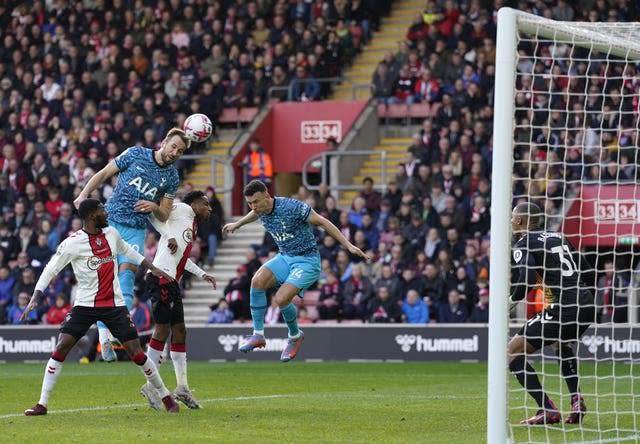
617, 41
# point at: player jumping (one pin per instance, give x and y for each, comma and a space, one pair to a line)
548, 259
295, 268
92, 253
147, 183
168, 312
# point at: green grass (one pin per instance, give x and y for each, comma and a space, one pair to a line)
300, 402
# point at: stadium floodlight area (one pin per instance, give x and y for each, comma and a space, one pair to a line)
566, 136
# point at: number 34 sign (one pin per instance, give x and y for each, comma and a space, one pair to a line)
318, 131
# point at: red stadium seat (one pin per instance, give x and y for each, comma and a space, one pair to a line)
246, 115
229, 115
419, 110
435, 107
311, 298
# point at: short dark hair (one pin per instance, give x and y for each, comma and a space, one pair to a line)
531, 211
87, 207
253, 187
192, 196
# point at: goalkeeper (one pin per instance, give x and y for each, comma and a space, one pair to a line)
548, 259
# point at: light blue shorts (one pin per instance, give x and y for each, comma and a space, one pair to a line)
300, 271
132, 236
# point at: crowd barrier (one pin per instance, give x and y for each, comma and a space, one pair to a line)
607, 342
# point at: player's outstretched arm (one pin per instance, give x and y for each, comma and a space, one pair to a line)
315, 219
193, 268
96, 180
33, 303
58, 261
161, 211
246, 219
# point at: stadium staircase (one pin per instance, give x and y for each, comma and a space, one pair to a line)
393, 29
231, 253
233, 249
200, 176
396, 148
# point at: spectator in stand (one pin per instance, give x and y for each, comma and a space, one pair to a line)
25, 276
40, 253
303, 316
467, 288
404, 87
371, 196
258, 163
383, 309
58, 312
418, 30
236, 293
370, 231
210, 230
479, 222
414, 309
394, 193
384, 83
14, 312
453, 311
220, 313
611, 296
480, 313
330, 300
357, 293
6, 291
304, 88
141, 316
358, 209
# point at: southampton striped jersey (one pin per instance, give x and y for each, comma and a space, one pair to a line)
140, 178
181, 226
94, 261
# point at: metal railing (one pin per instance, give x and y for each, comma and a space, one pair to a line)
292, 83
324, 166
229, 176
358, 86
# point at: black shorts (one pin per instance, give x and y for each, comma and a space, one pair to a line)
117, 319
166, 301
549, 326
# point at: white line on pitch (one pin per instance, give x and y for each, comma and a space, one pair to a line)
128, 406
620, 439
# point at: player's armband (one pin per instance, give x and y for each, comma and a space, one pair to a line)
169, 195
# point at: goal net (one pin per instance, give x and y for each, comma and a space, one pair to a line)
566, 135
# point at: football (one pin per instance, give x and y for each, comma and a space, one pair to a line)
198, 127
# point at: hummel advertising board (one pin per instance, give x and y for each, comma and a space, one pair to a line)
341, 343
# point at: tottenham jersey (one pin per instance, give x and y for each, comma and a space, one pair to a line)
548, 260
180, 226
94, 261
287, 224
140, 178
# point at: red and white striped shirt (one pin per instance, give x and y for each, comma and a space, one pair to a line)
94, 258
182, 227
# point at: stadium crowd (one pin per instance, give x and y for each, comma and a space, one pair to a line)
80, 81
429, 232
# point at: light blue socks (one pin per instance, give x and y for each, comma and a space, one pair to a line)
258, 305
290, 315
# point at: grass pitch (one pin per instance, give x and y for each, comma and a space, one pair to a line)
300, 402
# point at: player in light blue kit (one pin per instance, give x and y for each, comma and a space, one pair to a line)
147, 183
295, 268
